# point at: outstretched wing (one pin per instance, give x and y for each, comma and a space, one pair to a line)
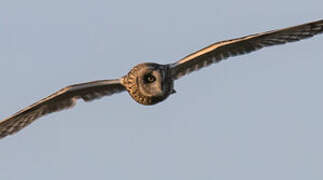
62, 99
224, 49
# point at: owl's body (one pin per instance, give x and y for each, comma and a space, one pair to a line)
151, 83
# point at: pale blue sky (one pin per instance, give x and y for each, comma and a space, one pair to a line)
252, 117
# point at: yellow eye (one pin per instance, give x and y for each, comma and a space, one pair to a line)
149, 78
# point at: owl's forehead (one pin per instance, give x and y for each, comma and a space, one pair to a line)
148, 66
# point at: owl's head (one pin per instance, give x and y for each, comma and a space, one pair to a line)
149, 83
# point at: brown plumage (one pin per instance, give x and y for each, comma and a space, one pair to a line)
150, 83
144, 92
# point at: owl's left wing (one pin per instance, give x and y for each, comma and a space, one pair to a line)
62, 99
224, 49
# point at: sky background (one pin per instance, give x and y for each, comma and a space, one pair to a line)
257, 116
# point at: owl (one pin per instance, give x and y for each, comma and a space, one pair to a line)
151, 83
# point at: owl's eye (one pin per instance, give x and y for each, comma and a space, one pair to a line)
149, 78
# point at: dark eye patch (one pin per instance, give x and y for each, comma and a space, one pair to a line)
149, 78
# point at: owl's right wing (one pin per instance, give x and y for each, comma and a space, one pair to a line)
62, 99
224, 49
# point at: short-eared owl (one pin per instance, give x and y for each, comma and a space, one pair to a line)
151, 83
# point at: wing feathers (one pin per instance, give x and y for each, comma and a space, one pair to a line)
60, 100
224, 49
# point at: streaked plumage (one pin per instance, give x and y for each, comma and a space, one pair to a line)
150, 83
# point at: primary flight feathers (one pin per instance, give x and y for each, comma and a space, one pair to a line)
224, 49
150, 83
